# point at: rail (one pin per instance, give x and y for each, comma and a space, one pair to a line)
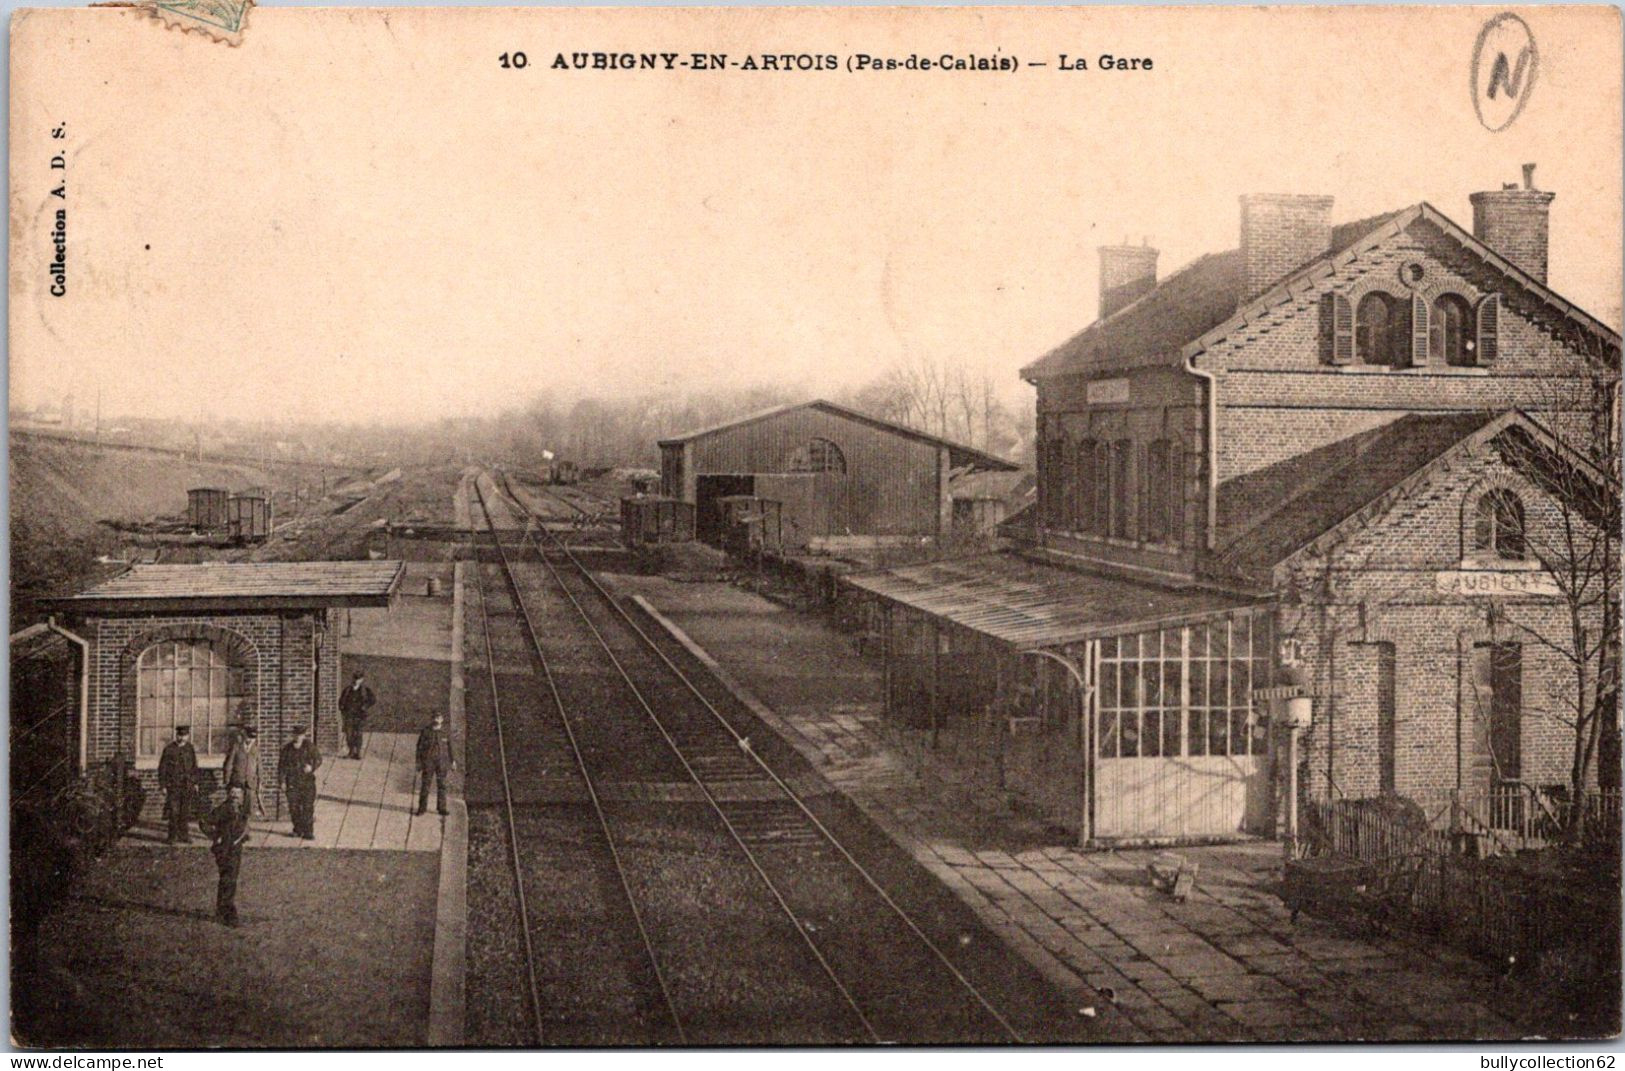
581, 767
507, 797
743, 744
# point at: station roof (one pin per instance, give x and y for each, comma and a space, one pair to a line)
239, 586
959, 455
1029, 605
1206, 300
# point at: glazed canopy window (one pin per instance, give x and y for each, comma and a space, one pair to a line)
1183, 692
184, 682
1498, 525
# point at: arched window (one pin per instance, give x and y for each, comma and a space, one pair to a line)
1100, 500
1154, 503
819, 455
184, 682
1122, 483
1378, 330
1498, 525
1450, 332
1083, 492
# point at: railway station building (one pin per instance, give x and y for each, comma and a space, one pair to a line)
1364, 465
842, 479
216, 646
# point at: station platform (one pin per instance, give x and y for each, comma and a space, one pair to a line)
407, 654
1227, 964
321, 958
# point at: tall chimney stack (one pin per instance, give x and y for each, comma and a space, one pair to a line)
1513, 222
1127, 273
1280, 233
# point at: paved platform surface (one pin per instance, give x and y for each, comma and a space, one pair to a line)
1225, 965
364, 805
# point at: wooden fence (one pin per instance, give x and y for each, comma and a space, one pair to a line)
1445, 867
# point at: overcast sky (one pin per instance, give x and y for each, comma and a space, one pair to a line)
344, 219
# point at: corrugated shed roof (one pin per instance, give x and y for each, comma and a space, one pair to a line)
243, 585
959, 455
1026, 604
1183, 307
1314, 491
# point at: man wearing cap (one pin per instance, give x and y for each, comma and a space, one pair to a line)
242, 768
354, 702
227, 827
297, 770
434, 760
177, 776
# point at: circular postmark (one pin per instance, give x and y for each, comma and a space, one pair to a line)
1505, 62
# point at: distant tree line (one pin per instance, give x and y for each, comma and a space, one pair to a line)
934, 396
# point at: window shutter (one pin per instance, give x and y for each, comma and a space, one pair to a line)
1489, 329
1419, 330
1337, 328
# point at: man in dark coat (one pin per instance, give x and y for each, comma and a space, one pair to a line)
297, 771
227, 827
177, 776
434, 760
354, 703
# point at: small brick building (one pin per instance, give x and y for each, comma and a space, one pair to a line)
217, 646
1351, 449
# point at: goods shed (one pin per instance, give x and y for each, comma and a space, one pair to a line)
216, 646
843, 478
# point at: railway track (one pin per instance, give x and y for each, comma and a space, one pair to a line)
754, 921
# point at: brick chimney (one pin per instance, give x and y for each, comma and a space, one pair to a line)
1512, 221
1127, 273
1280, 233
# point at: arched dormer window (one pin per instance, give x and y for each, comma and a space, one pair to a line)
819, 455
1450, 332
1498, 525
1379, 330
184, 682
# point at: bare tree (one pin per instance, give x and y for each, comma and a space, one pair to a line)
1578, 546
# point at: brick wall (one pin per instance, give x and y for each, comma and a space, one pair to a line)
1379, 586
1278, 397
1279, 234
278, 654
1514, 224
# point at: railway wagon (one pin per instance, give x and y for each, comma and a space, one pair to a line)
750, 524
650, 520
248, 518
560, 473
207, 508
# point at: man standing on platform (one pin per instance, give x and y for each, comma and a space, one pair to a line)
354, 703
434, 760
177, 775
297, 770
227, 828
242, 768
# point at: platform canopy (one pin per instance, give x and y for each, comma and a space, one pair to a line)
239, 586
1028, 604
